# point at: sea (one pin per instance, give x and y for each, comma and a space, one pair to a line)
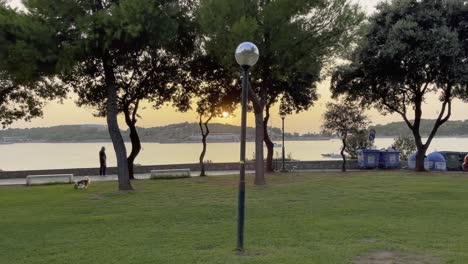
37, 156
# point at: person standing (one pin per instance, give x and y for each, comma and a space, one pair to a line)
102, 162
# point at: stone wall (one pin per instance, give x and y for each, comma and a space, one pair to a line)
228, 166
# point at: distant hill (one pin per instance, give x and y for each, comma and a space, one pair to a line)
449, 129
189, 132
182, 132
68, 133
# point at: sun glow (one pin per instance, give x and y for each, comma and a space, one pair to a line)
225, 114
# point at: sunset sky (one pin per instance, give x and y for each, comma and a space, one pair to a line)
310, 121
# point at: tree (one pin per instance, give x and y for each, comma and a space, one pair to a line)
344, 119
357, 141
27, 60
153, 78
154, 74
413, 50
98, 44
406, 145
295, 39
216, 94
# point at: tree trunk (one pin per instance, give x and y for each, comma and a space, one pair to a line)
113, 126
417, 136
202, 157
343, 168
134, 138
205, 132
259, 162
258, 103
418, 100
269, 144
420, 156
421, 149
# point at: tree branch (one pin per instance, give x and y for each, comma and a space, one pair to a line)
254, 98
403, 112
135, 110
447, 104
200, 124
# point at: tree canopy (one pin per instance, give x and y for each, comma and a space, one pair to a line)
27, 66
216, 93
114, 50
295, 39
356, 141
343, 119
151, 75
412, 50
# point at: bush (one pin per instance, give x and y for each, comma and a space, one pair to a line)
406, 145
356, 142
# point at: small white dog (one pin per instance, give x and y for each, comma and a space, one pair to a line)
83, 184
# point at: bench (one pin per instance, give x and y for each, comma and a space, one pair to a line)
49, 178
170, 174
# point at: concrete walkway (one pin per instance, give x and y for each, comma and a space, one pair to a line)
95, 178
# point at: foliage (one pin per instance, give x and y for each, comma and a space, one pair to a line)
149, 61
450, 128
295, 38
283, 31
27, 59
216, 92
149, 70
101, 224
356, 141
343, 119
66, 133
98, 133
147, 40
113, 54
406, 145
413, 49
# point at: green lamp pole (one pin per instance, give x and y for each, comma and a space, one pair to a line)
246, 56
283, 169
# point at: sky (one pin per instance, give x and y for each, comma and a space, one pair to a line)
310, 121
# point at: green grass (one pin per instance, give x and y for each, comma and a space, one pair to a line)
297, 218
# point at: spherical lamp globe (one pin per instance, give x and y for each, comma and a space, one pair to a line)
247, 54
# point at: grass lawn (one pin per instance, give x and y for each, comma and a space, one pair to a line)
297, 218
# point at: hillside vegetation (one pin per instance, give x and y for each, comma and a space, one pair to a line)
182, 132
80, 133
450, 129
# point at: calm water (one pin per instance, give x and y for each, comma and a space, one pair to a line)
30, 156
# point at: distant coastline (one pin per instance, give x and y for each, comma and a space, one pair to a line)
164, 142
190, 133
197, 142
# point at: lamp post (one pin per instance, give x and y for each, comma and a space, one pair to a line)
283, 116
246, 56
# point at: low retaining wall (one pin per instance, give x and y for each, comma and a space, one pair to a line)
228, 166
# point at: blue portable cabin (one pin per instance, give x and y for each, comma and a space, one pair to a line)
389, 159
368, 158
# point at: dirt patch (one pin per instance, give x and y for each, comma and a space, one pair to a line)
389, 257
